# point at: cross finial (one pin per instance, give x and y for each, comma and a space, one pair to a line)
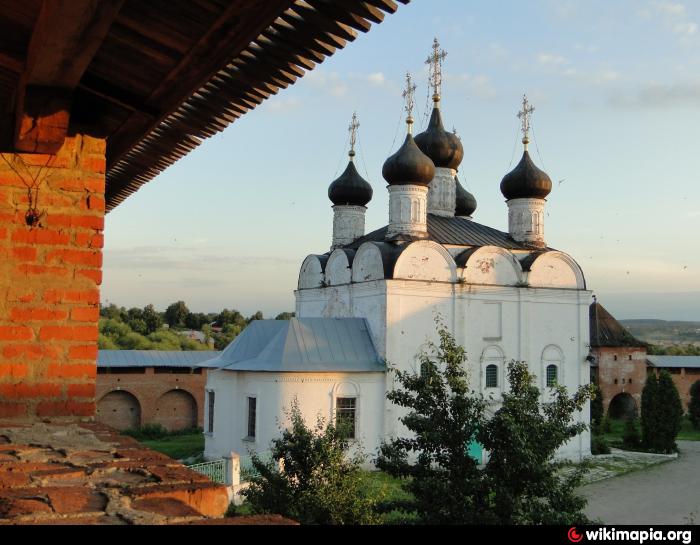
352, 128
408, 96
524, 116
434, 61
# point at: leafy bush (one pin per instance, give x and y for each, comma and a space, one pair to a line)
521, 482
597, 410
661, 413
318, 482
631, 437
599, 445
694, 406
149, 432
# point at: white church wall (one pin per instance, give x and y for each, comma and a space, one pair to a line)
425, 260
311, 273
555, 270
316, 394
368, 264
338, 269
492, 266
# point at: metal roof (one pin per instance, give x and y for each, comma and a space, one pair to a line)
607, 331
675, 361
456, 231
303, 345
154, 358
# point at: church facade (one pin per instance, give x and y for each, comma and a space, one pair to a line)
504, 296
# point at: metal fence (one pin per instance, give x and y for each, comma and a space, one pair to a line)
248, 471
216, 470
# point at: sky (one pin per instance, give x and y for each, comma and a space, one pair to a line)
616, 91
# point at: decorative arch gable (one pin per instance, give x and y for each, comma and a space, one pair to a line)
490, 265
426, 260
556, 270
311, 274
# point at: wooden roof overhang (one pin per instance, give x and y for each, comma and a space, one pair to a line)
156, 77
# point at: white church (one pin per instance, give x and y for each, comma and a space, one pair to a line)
370, 301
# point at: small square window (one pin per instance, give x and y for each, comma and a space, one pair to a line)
345, 416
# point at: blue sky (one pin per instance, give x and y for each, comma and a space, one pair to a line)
616, 88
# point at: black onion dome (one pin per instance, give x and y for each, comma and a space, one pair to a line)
350, 188
408, 166
526, 181
466, 202
443, 148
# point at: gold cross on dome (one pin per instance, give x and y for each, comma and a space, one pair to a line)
524, 116
408, 97
354, 125
434, 61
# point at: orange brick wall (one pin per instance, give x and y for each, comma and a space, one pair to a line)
148, 389
624, 368
49, 282
683, 379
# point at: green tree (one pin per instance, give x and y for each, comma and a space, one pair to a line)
318, 483
153, 319
597, 410
444, 416
662, 412
523, 438
176, 313
694, 405
257, 316
230, 317
113, 312
284, 316
521, 482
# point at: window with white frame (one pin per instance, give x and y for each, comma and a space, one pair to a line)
552, 375
346, 416
552, 366
492, 376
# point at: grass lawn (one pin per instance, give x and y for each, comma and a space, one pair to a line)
386, 488
177, 446
617, 429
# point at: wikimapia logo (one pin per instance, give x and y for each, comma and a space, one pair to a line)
636, 536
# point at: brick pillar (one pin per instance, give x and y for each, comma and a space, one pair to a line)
49, 281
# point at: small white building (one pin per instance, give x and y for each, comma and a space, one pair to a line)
504, 296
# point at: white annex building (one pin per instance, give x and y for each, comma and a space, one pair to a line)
371, 301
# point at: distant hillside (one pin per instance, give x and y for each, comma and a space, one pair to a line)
664, 332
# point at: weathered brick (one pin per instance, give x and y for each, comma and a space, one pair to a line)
8, 410
24, 391
65, 408
78, 184
81, 390
24, 253
85, 314
89, 240
92, 274
3, 233
93, 202
86, 352
16, 333
12, 370
75, 257
72, 296
30, 351
93, 163
88, 222
72, 370
20, 295
68, 333
41, 236
31, 269
37, 314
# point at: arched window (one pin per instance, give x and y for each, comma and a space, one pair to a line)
552, 375
492, 376
552, 366
492, 362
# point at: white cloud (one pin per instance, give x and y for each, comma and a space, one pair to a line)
548, 59
377, 78
661, 95
475, 84
686, 28
279, 104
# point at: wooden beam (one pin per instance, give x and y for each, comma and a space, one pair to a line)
64, 41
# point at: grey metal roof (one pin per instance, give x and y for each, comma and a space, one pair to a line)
302, 345
154, 358
675, 361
